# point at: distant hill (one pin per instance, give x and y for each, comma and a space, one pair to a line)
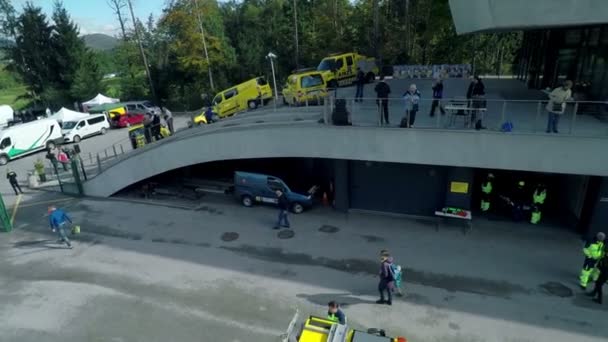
100, 41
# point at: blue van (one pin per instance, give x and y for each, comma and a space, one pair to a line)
254, 187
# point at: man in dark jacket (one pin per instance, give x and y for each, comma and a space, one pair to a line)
387, 281
335, 314
437, 96
476, 94
383, 90
602, 267
12, 178
283, 203
360, 85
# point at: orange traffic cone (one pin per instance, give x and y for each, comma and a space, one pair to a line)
325, 200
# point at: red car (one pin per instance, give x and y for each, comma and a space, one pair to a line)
129, 119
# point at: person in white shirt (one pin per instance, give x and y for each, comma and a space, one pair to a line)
557, 105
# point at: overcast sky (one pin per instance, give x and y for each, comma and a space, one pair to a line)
95, 16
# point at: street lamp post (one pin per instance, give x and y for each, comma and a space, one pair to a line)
272, 56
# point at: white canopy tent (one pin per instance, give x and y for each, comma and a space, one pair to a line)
99, 100
64, 115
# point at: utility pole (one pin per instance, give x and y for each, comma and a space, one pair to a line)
141, 49
376, 13
295, 24
200, 24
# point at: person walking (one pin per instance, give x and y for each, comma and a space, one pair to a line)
557, 105
283, 203
335, 314
59, 222
476, 96
437, 96
360, 85
602, 268
63, 158
412, 100
538, 200
12, 179
383, 90
168, 117
387, 282
593, 251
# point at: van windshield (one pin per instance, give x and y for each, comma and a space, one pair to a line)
69, 124
327, 64
217, 99
262, 81
310, 81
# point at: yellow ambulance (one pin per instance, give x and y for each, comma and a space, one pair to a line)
247, 95
305, 87
341, 69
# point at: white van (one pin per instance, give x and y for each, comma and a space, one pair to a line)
20, 140
74, 131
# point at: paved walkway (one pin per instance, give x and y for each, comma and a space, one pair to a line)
143, 272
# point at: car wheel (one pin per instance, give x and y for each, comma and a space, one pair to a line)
76, 139
3, 160
297, 208
50, 145
247, 201
333, 84
285, 101
252, 104
103, 131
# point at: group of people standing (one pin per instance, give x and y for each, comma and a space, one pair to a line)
412, 96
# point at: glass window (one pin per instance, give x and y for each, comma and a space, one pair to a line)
229, 94
275, 184
262, 81
6, 142
349, 60
95, 120
81, 124
339, 63
327, 64
217, 99
310, 81
130, 107
69, 124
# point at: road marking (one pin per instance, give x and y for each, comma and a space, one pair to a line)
15, 208
47, 202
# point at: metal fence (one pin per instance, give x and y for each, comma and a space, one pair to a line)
584, 118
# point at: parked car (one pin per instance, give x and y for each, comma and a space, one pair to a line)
305, 87
74, 131
129, 119
20, 140
250, 188
142, 107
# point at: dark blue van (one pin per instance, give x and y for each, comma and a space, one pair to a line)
254, 187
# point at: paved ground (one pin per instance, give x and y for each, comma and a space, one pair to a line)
143, 272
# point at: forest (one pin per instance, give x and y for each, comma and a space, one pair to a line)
197, 47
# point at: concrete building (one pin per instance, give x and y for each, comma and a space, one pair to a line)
563, 39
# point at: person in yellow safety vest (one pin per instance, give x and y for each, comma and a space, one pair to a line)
538, 200
593, 250
486, 193
335, 314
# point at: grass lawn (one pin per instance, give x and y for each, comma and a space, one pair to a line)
9, 96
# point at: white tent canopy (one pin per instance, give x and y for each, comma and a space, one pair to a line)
99, 100
64, 115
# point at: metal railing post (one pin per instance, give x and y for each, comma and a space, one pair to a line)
538, 110
98, 163
440, 113
90, 158
352, 110
106, 151
114, 148
504, 113
122, 150
574, 113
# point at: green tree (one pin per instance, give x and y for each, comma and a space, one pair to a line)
68, 48
88, 78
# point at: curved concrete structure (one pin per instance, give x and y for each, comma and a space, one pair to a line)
495, 15
561, 154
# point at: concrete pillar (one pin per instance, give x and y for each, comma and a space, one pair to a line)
599, 216
342, 193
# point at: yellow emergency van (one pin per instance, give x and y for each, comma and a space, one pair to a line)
247, 95
305, 87
341, 69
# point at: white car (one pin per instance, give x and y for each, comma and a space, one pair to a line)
74, 131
